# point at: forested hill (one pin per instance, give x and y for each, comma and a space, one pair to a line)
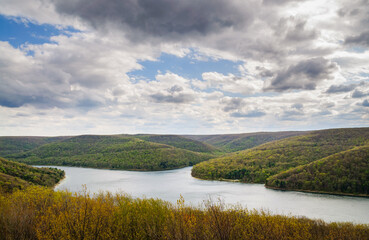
345, 172
18, 176
179, 142
258, 164
113, 152
243, 141
11, 145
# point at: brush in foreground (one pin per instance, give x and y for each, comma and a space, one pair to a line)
41, 213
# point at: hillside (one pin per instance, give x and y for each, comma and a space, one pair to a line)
11, 145
345, 172
238, 142
18, 176
179, 142
113, 152
257, 164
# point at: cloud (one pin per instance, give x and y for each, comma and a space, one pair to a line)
231, 83
359, 94
304, 75
277, 2
160, 17
295, 30
292, 115
67, 74
280, 46
298, 106
341, 88
172, 97
365, 103
232, 104
361, 39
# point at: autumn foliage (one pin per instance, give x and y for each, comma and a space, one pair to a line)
41, 213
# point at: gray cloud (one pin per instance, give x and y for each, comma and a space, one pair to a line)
297, 106
233, 104
294, 29
365, 103
250, 114
175, 88
164, 98
341, 88
304, 75
174, 94
277, 2
159, 17
361, 39
292, 115
359, 94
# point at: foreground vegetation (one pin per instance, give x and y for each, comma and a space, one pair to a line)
113, 152
15, 176
258, 164
40, 213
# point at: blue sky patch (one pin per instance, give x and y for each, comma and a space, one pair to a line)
186, 67
18, 31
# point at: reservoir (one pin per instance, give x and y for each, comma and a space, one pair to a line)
171, 184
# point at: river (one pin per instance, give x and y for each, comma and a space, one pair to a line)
170, 185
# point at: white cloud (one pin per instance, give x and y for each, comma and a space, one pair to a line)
80, 83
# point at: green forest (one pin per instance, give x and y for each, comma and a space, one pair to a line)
259, 164
285, 160
15, 176
345, 172
112, 152
237, 142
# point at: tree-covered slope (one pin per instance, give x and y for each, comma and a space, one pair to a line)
114, 152
18, 176
238, 142
345, 172
259, 163
179, 142
11, 145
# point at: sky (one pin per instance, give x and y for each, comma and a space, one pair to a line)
70, 67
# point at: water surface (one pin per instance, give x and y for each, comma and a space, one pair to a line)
169, 185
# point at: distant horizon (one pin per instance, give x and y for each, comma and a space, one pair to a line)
179, 134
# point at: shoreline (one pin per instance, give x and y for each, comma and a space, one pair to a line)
319, 192
220, 179
60, 182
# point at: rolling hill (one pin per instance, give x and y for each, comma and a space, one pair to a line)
113, 152
346, 172
179, 142
11, 145
256, 165
19, 176
237, 142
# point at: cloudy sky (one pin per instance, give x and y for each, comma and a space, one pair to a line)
72, 67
